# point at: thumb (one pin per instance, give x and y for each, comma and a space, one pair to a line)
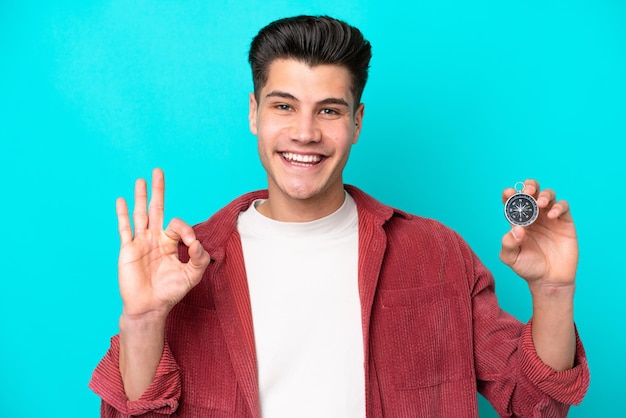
198, 261
511, 244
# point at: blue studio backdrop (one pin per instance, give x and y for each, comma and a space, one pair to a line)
464, 99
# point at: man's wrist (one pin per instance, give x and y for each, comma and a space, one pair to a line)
552, 291
145, 323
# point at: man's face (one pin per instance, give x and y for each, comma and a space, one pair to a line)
306, 123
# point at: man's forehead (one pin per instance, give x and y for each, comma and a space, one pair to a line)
293, 76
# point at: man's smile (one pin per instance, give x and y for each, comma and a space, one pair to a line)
304, 160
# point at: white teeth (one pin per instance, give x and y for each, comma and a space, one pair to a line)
299, 158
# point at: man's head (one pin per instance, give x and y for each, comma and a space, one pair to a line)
313, 41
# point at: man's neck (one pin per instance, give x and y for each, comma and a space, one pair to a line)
285, 209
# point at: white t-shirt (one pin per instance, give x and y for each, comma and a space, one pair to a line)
306, 312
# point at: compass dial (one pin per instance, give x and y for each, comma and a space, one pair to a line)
521, 209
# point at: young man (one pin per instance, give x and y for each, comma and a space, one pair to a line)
312, 299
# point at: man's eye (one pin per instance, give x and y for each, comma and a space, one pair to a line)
283, 107
329, 112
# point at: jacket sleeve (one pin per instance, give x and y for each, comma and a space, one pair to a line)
509, 372
160, 398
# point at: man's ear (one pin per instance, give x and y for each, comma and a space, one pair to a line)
358, 122
252, 114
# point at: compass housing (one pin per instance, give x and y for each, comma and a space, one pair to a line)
521, 209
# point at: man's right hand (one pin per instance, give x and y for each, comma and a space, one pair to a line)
151, 277
152, 280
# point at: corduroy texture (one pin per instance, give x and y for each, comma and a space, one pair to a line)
161, 399
433, 332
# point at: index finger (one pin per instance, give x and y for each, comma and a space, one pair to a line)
530, 187
156, 207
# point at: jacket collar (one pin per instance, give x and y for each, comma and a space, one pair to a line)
215, 232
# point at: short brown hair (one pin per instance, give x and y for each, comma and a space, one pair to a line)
313, 40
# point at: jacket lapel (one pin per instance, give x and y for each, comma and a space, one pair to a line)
372, 247
372, 244
232, 303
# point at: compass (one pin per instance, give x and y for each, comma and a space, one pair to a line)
521, 208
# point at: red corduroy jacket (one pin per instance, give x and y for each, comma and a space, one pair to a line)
433, 332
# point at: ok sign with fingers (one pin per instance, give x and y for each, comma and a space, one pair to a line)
151, 277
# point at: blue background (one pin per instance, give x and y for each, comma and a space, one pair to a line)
464, 99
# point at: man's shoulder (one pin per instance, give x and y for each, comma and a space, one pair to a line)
394, 219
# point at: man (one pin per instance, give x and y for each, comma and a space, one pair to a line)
312, 299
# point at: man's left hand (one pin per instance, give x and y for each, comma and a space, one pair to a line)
544, 253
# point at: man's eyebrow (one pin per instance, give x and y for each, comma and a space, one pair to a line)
281, 94
335, 101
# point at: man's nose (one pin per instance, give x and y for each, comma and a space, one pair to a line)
306, 129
